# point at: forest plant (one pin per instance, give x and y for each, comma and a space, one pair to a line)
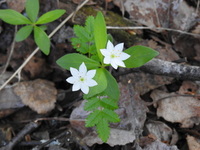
98, 85
32, 23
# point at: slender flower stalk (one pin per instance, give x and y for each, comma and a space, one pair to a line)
82, 79
113, 55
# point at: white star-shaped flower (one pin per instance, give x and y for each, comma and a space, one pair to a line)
114, 55
82, 79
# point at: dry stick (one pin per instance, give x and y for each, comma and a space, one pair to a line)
152, 28
58, 119
27, 129
37, 49
166, 68
63, 134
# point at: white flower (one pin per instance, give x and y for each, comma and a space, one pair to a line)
114, 55
82, 79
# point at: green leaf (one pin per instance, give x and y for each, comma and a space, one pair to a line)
108, 103
50, 16
111, 116
80, 46
101, 80
84, 40
89, 24
93, 118
13, 17
112, 89
100, 33
75, 60
92, 104
23, 33
139, 56
43, 27
32, 9
42, 40
103, 130
81, 33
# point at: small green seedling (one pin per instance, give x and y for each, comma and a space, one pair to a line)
90, 74
32, 23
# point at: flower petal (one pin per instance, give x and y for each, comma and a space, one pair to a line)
82, 69
90, 74
71, 80
109, 46
76, 86
107, 60
74, 72
84, 89
113, 64
105, 52
119, 47
124, 56
91, 83
119, 62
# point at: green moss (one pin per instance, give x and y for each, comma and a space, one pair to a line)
112, 19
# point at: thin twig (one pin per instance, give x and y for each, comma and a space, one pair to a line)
37, 49
152, 28
58, 119
63, 134
27, 129
10, 54
156, 12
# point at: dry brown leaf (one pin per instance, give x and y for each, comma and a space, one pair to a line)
193, 143
188, 87
162, 132
157, 145
144, 82
175, 108
39, 95
178, 14
17, 5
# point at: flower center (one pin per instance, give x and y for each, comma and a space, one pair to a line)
82, 79
112, 56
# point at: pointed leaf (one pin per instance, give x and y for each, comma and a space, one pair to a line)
93, 118
139, 56
75, 60
89, 24
42, 40
50, 16
110, 115
81, 33
13, 17
101, 80
103, 130
92, 104
32, 9
109, 103
23, 33
100, 33
112, 89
